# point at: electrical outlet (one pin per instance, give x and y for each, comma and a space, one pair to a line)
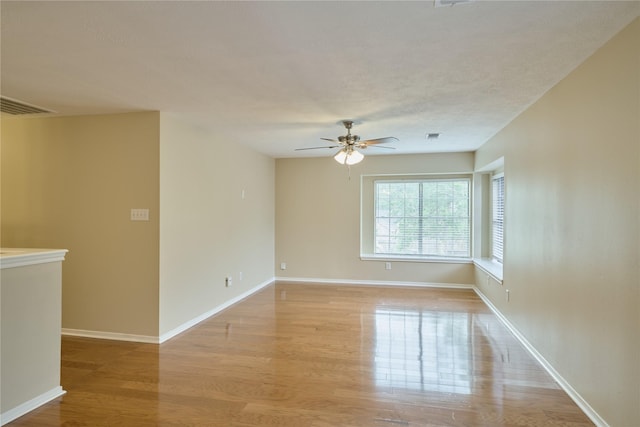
240, 276
283, 266
508, 295
387, 266
228, 281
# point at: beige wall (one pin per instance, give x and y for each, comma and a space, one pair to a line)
208, 231
70, 182
572, 166
572, 173
318, 219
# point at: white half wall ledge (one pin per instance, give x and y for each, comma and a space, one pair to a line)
21, 257
30, 405
564, 384
309, 280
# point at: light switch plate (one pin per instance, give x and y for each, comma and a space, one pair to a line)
139, 214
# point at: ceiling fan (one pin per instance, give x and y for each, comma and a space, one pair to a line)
348, 154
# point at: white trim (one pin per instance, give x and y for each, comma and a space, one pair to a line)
491, 267
172, 333
20, 257
408, 258
30, 405
110, 336
573, 394
417, 175
166, 336
310, 280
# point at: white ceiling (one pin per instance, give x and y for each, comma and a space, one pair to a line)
279, 75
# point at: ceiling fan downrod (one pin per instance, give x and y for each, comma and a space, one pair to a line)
348, 138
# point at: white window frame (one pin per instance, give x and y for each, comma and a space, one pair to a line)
497, 218
367, 224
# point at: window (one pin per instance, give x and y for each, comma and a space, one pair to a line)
497, 217
422, 217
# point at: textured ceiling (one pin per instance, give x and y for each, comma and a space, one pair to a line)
279, 75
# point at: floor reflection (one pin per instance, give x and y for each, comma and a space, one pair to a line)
301, 355
423, 350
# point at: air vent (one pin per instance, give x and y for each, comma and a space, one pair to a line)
11, 106
444, 3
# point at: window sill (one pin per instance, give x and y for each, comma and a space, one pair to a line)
405, 258
489, 266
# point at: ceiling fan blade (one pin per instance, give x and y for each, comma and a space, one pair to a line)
328, 139
315, 148
379, 146
379, 140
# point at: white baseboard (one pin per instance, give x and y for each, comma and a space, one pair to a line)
110, 336
166, 336
172, 333
304, 280
30, 405
573, 394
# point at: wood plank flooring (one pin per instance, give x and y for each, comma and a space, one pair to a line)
316, 356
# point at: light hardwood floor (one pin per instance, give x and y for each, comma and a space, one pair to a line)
316, 355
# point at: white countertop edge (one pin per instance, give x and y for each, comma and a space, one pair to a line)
20, 257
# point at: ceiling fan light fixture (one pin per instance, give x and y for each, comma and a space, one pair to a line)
354, 158
341, 156
348, 157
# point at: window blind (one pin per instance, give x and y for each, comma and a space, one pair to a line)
429, 218
497, 217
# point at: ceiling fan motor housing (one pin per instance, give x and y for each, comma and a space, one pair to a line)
349, 139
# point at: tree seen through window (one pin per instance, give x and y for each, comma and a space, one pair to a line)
423, 217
